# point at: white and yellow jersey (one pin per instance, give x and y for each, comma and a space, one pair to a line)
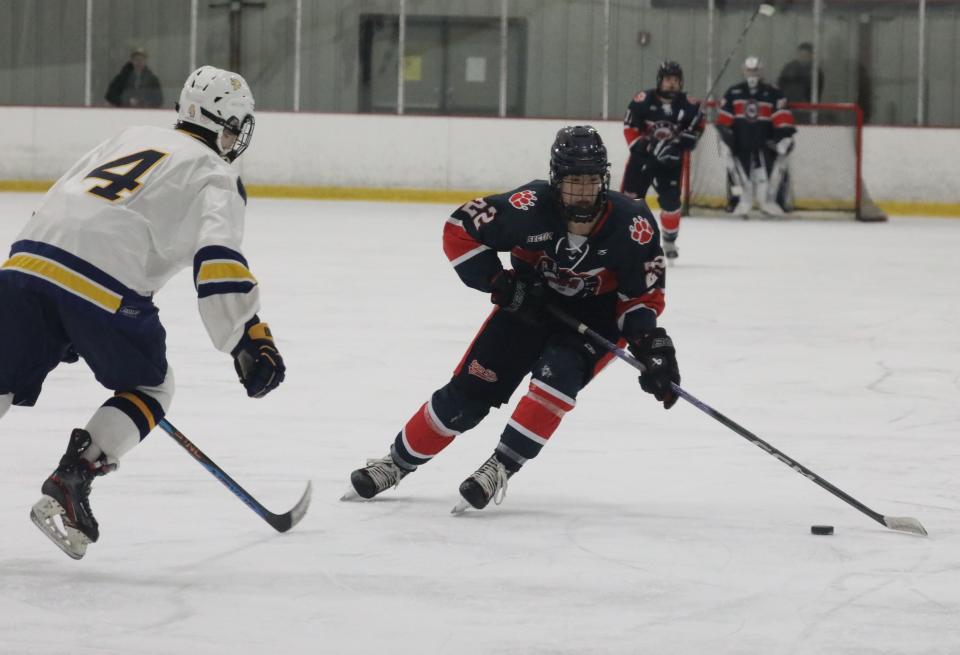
130, 214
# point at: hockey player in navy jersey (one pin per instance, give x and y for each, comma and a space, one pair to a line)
661, 125
758, 131
575, 245
113, 230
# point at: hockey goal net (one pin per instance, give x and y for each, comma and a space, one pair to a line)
824, 177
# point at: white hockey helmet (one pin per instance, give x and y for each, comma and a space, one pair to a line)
218, 100
752, 71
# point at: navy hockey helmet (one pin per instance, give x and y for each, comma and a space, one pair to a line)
579, 150
665, 69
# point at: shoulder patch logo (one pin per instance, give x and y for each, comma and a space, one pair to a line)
640, 97
641, 231
524, 199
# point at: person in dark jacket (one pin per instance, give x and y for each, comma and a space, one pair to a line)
135, 85
796, 77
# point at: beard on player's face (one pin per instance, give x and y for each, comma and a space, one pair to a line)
580, 190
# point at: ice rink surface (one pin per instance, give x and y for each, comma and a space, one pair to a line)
636, 530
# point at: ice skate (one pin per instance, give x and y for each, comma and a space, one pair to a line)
66, 495
771, 208
489, 482
377, 476
670, 249
768, 205
743, 207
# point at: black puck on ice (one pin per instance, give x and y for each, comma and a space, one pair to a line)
821, 529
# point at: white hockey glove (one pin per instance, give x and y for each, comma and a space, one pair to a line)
784, 146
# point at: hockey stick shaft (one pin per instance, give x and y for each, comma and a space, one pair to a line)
896, 523
280, 522
762, 8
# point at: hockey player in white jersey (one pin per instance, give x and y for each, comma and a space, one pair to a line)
111, 232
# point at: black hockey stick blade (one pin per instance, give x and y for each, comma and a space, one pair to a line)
279, 522
898, 523
285, 521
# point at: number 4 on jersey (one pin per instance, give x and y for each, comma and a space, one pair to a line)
124, 174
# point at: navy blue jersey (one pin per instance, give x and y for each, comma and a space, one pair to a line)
617, 272
651, 118
753, 119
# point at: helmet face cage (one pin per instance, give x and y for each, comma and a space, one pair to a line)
667, 69
243, 131
243, 138
579, 150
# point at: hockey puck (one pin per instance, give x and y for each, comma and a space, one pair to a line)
821, 529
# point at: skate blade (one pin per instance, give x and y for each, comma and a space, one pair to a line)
460, 508
351, 494
70, 540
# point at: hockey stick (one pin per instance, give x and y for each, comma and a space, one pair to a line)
280, 522
762, 9
900, 523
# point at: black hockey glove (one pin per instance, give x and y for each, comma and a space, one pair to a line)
518, 294
666, 152
257, 361
69, 355
658, 356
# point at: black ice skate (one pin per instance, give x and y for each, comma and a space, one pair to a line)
489, 482
377, 476
66, 494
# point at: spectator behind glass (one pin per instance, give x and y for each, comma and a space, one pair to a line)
135, 85
796, 76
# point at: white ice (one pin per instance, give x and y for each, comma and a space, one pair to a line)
636, 530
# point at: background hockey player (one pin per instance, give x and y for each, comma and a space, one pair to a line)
592, 253
113, 230
758, 130
660, 126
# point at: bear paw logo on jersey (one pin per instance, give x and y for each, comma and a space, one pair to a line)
524, 199
641, 231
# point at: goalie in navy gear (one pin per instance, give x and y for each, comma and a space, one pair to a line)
661, 126
79, 282
757, 134
575, 245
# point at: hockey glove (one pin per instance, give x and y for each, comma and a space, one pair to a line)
784, 146
666, 152
69, 355
658, 356
521, 295
257, 361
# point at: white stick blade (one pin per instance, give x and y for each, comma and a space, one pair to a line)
905, 524
300, 510
767, 9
